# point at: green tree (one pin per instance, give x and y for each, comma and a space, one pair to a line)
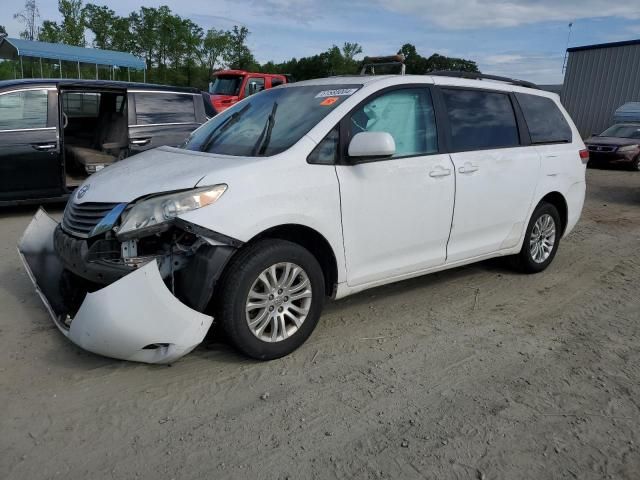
2, 29
100, 19
29, 17
176, 50
121, 38
238, 55
417, 64
143, 25
214, 49
350, 50
73, 22
438, 62
192, 37
50, 32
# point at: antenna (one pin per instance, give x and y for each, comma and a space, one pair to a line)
566, 53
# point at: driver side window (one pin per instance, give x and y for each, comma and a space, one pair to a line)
406, 114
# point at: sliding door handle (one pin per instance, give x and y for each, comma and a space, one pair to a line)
140, 141
44, 147
468, 168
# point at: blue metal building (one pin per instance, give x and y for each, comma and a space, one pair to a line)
17, 49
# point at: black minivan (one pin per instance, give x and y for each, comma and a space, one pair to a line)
56, 132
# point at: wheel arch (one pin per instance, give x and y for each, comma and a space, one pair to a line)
313, 241
559, 201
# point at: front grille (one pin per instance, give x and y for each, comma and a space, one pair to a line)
80, 218
602, 148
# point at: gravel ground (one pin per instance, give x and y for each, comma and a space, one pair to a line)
474, 373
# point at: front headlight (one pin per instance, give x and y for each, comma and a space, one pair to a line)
628, 148
155, 212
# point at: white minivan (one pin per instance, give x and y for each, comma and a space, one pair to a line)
316, 189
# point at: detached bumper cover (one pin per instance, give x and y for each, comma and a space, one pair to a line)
135, 318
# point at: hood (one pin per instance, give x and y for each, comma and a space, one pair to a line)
163, 169
613, 141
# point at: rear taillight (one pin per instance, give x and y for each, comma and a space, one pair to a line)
584, 156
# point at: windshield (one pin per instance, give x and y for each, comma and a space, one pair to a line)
269, 122
226, 85
622, 131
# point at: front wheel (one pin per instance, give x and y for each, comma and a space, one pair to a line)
271, 298
541, 240
635, 165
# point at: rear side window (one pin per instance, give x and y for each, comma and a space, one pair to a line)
480, 120
23, 110
157, 107
275, 82
545, 121
81, 104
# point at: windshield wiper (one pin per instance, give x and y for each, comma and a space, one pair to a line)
220, 129
265, 137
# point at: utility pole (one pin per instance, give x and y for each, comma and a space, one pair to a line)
566, 53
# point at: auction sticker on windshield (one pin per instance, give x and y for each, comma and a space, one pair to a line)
340, 92
329, 101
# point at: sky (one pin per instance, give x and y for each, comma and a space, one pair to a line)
523, 39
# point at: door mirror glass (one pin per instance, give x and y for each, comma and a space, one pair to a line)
372, 145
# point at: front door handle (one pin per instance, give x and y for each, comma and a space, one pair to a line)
45, 147
440, 172
140, 141
468, 168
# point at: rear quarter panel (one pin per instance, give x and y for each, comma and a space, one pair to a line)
563, 171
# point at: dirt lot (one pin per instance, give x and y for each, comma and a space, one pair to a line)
474, 373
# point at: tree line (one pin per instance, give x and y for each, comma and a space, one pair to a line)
178, 51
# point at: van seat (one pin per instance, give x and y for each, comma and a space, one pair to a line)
110, 138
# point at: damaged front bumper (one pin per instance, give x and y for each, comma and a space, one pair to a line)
135, 318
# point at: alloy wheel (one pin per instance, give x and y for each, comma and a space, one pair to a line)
543, 238
278, 302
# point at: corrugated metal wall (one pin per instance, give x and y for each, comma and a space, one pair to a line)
597, 82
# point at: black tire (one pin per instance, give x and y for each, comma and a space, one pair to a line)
243, 270
635, 165
524, 260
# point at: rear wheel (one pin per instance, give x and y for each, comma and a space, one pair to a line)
271, 298
541, 240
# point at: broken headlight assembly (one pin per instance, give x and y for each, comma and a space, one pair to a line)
155, 214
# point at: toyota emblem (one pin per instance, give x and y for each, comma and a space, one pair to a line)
82, 190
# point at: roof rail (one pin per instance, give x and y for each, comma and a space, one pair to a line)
482, 76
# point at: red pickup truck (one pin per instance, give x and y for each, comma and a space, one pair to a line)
230, 86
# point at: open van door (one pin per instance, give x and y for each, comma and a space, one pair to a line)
30, 160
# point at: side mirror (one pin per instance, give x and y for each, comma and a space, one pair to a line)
372, 145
